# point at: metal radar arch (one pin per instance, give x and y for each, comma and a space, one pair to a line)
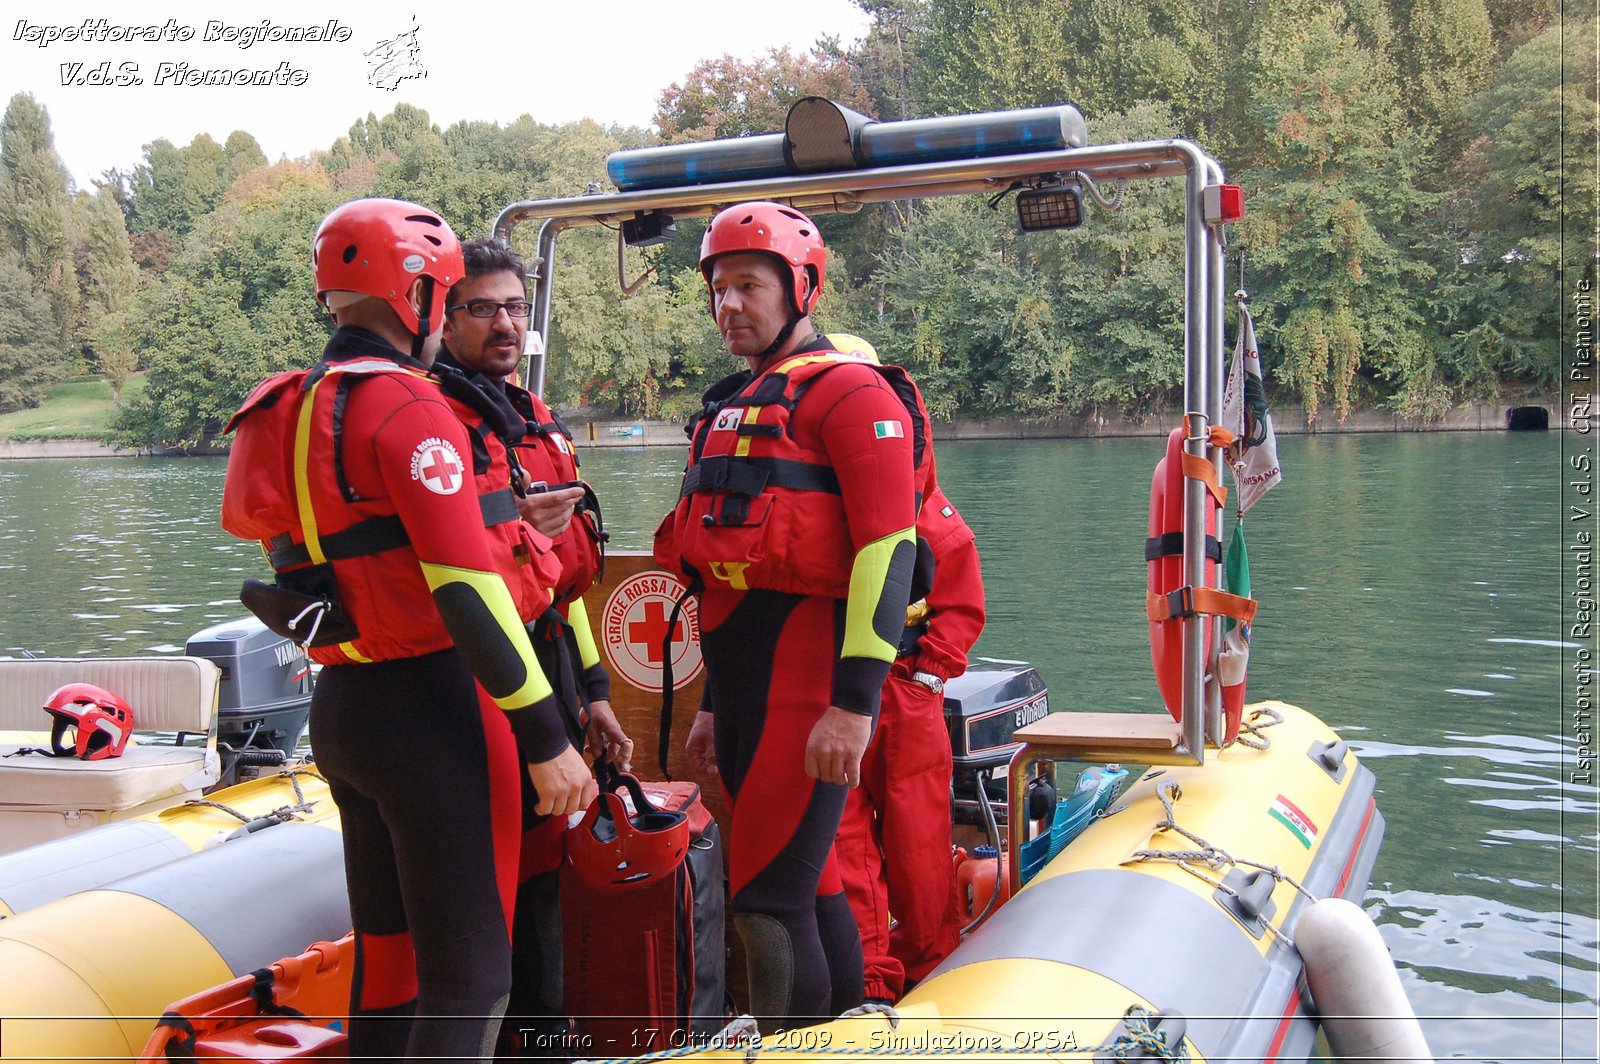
829, 159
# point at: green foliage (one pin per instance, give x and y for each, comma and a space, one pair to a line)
37, 222
112, 279
1403, 159
729, 97
110, 283
1332, 210
175, 187
1522, 220
994, 322
30, 361
1444, 56
884, 60
236, 307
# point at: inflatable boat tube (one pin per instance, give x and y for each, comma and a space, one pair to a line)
86, 976
83, 861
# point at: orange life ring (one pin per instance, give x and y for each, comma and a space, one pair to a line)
1164, 567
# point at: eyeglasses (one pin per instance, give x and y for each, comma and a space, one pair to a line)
488, 308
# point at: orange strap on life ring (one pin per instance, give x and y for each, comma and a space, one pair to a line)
1201, 469
1187, 601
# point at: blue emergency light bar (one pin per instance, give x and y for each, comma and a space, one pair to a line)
866, 144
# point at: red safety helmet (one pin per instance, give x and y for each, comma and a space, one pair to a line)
776, 230
611, 850
378, 247
102, 722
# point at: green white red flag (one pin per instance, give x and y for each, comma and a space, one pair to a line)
1254, 454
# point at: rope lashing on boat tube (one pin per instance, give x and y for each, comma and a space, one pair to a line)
278, 815
869, 1008
1252, 734
1214, 856
1142, 1036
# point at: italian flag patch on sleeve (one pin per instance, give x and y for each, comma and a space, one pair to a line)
884, 430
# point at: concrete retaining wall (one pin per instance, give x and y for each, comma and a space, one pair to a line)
64, 449
1289, 421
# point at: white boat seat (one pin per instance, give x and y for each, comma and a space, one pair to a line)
45, 797
144, 772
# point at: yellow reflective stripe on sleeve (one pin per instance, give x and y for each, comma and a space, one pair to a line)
867, 578
302, 475
496, 599
578, 617
355, 655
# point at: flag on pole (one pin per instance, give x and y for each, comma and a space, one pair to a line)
1234, 660
1254, 453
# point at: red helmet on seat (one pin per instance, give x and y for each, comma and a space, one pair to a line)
611, 850
378, 247
775, 230
101, 720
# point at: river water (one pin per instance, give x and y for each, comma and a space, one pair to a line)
1411, 589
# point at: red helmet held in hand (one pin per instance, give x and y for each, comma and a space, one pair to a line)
378, 247
102, 722
612, 850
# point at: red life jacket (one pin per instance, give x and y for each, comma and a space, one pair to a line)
546, 453
287, 453
758, 510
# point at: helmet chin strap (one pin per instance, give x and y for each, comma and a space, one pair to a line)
424, 325
785, 332
778, 341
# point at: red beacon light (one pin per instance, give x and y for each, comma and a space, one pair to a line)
1223, 203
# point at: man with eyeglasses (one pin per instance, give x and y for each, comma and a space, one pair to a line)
485, 327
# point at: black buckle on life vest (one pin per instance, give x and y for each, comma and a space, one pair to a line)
1180, 603
723, 473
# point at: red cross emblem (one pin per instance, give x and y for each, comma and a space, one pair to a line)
437, 464
645, 636
635, 631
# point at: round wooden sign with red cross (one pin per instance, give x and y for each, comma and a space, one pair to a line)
635, 632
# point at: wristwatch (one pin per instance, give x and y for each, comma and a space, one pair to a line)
930, 681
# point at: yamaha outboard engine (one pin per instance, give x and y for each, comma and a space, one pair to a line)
265, 697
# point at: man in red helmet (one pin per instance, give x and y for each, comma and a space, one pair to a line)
361, 480
796, 527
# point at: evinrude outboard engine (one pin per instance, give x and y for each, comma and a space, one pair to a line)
982, 707
265, 697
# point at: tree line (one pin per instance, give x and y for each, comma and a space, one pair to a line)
1410, 166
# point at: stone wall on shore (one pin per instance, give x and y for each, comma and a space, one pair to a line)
1287, 420
64, 449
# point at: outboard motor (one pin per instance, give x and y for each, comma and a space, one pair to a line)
982, 707
265, 697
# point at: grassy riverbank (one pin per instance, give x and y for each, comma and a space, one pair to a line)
80, 409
